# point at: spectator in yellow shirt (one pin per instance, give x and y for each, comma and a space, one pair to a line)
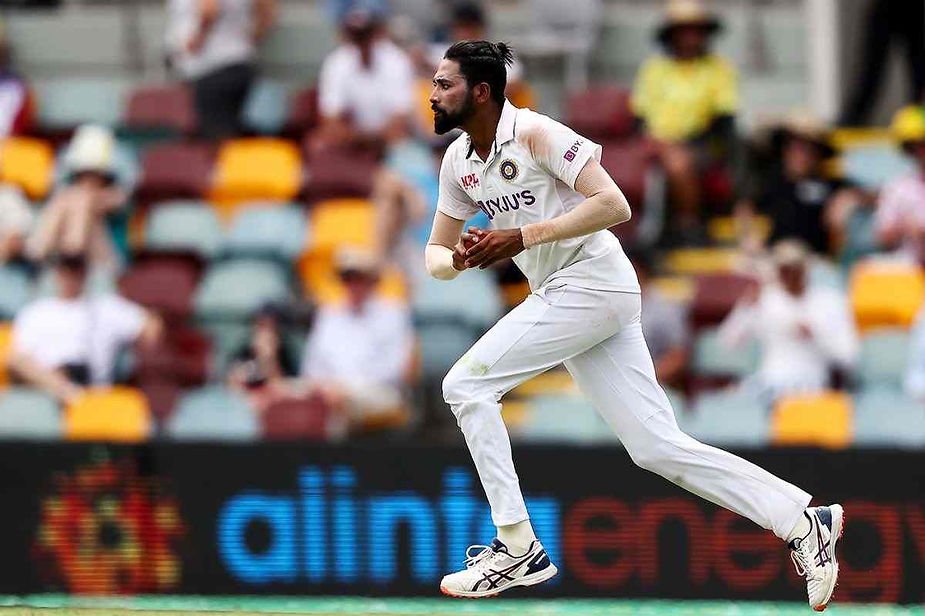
687, 100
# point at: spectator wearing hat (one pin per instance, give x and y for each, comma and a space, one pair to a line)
213, 45
798, 196
17, 104
899, 220
74, 220
359, 352
686, 100
366, 87
66, 342
16, 218
805, 332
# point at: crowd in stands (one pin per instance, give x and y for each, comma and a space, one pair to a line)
233, 272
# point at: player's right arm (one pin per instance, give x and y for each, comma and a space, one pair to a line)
445, 253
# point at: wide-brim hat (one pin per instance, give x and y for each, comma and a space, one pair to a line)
686, 13
351, 260
803, 125
790, 252
92, 150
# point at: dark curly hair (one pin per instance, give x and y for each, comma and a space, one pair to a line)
483, 62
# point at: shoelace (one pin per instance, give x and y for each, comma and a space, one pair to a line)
484, 552
799, 562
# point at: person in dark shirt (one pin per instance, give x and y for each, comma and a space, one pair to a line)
798, 194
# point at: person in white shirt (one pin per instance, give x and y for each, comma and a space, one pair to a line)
806, 332
64, 343
550, 203
16, 219
213, 45
365, 87
359, 352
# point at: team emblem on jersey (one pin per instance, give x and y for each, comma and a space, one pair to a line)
508, 170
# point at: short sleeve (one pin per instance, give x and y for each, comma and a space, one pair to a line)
559, 150
453, 201
332, 99
27, 331
123, 318
726, 94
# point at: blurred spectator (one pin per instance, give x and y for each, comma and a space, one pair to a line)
806, 332
213, 44
17, 105
900, 215
664, 325
338, 10
16, 220
263, 367
400, 207
687, 100
359, 353
66, 342
74, 220
885, 23
366, 87
798, 196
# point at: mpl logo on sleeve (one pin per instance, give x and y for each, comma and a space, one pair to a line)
572, 151
470, 181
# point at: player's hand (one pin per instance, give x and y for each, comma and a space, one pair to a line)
466, 241
494, 246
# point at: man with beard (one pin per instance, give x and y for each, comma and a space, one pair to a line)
550, 203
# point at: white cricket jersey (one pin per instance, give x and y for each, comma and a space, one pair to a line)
530, 177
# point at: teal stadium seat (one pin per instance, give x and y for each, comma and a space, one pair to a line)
885, 417
71, 101
730, 418
472, 299
441, 345
713, 359
268, 230
563, 419
29, 414
15, 291
213, 413
235, 289
884, 357
266, 107
873, 166
184, 226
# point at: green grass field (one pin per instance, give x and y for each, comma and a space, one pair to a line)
60, 605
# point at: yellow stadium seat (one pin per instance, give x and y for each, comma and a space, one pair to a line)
724, 229
523, 96
342, 222
515, 292
824, 419
676, 288
321, 282
6, 339
118, 414
701, 260
847, 138
886, 294
27, 163
551, 382
253, 170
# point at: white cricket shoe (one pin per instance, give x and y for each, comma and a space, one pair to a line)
491, 569
814, 554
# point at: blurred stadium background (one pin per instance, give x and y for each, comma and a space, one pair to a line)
240, 428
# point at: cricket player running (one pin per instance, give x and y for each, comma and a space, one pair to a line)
550, 202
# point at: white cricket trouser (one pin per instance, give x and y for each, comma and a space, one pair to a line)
598, 335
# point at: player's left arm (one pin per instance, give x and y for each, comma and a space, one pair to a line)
604, 206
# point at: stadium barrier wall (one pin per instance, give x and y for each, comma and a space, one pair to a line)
390, 520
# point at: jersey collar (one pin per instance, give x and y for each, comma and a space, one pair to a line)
503, 133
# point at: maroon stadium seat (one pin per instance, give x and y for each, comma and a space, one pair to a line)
175, 170
303, 113
715, 295
296, 419
601, 112
339, 173
182, 357
161, 107
166, 286
162, 395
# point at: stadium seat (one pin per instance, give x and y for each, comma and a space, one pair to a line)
235, 289
175, 170
213, 413
874, 165
712, 359
266, 107
184, 356
600, 112
724, 229
320, 281
184, 226
29, 414
715, 295
441, 345
262, 229
227, 338
119, 414
630, 163
884, 357
67, 102
562, 419
165, 286
6, 343
255, 169
161, 107
473, 299
550, 383
339, 173
162, 396
729, 418
296, 420
302, 115
16, 291
27, 163
342, 222
886, 294
823, 419
692, 261
885, 417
